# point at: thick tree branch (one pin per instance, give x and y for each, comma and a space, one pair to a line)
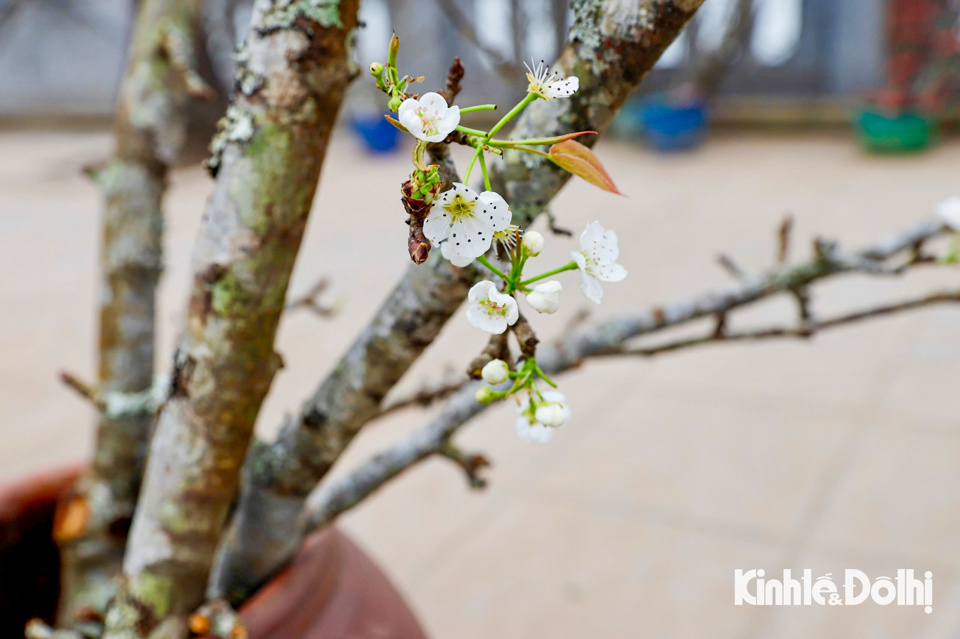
149, 127
612, 46
610, 338
294, 70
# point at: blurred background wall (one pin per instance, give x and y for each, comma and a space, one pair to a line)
66, 56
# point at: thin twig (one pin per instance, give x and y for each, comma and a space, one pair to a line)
730, 266
463, 25
422, 398
311, 300
608, 338
800, 332
471, 463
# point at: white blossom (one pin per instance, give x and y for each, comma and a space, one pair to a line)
949, 212
465, 222
490, 310
495, 372
550, 84
429, 118
597, 260
532, 243
545, 297
536, 419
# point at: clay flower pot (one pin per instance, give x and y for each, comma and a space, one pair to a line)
331, 590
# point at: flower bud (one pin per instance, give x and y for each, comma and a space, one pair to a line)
495, 372
393, 50
376, 69
532, 243
394, 103
545, 297
485, 395
551, 415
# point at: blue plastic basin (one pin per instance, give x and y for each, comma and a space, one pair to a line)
378, 135
672, 127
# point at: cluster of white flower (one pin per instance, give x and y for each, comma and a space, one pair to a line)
465, 224
492, 311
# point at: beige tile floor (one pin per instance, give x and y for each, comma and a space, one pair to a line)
842, 452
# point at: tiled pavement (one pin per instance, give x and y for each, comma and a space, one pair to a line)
843, 452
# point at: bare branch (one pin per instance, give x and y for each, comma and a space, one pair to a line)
463, 25
311, 300
609, 338
801, 332
422, 398
294, 71
280, 474
150, 130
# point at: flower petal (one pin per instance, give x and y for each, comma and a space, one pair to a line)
580, 259
564, 88
591, 234
465, 191
481, 291
609, 272
591, 287
437, 225
449, 121
456, 260
535, 432
494, 211
434, 103
493, 324
470, 237
513, 313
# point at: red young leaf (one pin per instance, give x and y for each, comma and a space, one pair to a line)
580, 160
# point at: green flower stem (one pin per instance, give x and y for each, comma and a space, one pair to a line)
541, 374
530, 97
476, 154
477, 132
571, 266
483, 260
506, 144
479, 107
486, 175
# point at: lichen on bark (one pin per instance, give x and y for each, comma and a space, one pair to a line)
610, 67
149, 129
225, 362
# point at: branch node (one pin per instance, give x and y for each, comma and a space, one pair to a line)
784, 234
471, 464
720, 329
526, 338
557, 230
496, 349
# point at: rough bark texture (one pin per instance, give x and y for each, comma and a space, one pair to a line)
612, 337
149, 128
612, 46
294, 71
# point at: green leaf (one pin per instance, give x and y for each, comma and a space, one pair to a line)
579, 160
